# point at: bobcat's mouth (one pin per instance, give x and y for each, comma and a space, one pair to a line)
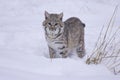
53, 33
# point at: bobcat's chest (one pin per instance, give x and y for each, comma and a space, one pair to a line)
57, 44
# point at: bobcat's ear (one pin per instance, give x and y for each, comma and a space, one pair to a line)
60, 16
46, 15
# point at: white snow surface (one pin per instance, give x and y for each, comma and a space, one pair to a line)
23, 49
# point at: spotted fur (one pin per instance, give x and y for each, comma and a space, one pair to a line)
64, 37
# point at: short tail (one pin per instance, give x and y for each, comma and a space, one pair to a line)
83, 24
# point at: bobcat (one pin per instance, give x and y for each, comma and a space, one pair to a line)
64, 37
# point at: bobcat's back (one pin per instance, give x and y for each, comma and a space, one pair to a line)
73, 32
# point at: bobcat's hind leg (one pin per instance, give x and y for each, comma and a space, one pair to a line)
51, 52
81, 45
80, 51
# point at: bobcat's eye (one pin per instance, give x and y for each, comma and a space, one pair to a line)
49, 24
56, 24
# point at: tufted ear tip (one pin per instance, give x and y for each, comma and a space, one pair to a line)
46, 15
61, 16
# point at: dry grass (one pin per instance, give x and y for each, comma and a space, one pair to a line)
107, 48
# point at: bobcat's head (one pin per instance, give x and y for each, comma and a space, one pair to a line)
53, 24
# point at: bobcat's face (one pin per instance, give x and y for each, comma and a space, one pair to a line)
53, 25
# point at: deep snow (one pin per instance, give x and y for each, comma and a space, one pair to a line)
23, 48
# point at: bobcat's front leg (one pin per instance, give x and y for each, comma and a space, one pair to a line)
64, 54
51, 52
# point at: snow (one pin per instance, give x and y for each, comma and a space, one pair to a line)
23, 48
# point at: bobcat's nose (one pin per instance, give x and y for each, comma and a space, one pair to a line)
52, 28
